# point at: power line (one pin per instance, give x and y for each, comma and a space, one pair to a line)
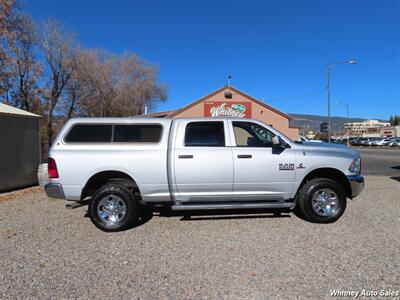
299, 96
319, 72
302, 89
378, 58
308, 100
312, 79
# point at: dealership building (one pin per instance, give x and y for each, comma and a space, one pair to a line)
231, 102
390, 131
368, 128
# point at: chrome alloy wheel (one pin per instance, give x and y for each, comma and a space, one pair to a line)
325, 202
111, 209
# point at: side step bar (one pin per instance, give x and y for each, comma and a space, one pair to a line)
76, 204
239, 205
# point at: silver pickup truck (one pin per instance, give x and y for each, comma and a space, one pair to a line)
191, 164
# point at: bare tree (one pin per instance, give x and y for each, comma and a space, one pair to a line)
27, 69
6, 12
138, 86
118, 86
80, 87
59, 50
7, 26
103, 76
47, 73
20, 70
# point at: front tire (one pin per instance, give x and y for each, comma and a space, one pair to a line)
322, 200
113, 208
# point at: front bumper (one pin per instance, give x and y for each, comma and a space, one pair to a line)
54, 190
356, 184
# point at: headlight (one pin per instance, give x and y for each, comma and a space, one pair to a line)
355, 166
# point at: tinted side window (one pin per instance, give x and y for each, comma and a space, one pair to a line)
205, 134
249, 134
143, 133
89, 133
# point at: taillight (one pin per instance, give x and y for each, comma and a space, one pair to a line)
52, 168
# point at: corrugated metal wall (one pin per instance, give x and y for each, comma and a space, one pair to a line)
19, 151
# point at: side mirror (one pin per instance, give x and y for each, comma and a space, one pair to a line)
277, 142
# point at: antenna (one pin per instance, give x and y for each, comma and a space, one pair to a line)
229, 80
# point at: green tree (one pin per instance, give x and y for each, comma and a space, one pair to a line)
396, 120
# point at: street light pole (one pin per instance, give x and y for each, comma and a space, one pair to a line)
350, 62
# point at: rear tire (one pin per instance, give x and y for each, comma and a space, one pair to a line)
113, 208
321, 200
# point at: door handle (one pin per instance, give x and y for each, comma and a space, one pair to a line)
185, 156
244, 156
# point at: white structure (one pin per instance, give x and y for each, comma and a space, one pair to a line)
310, 135
365, 127
391, 131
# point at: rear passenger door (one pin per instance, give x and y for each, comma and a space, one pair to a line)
202, 163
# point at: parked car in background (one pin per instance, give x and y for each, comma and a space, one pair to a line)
342, 141
381, 142
360, 141
351, 140
43, 176
364, 141
304, 139
390, 141
394, 142
354, 141
372, 140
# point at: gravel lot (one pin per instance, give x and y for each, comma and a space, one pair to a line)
48, 251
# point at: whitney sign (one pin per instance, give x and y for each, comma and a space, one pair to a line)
227, 109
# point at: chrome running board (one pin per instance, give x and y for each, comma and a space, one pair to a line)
239, 205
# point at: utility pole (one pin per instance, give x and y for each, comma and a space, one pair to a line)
347, 114
329, 102
347, 121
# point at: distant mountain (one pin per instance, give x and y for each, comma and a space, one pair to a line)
313, 122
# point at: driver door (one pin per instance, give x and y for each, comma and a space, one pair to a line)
261, 171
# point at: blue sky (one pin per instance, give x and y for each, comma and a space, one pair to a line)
274, 50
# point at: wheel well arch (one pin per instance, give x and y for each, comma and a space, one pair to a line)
101, 178
330, 173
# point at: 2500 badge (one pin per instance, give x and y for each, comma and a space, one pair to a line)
286, 167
